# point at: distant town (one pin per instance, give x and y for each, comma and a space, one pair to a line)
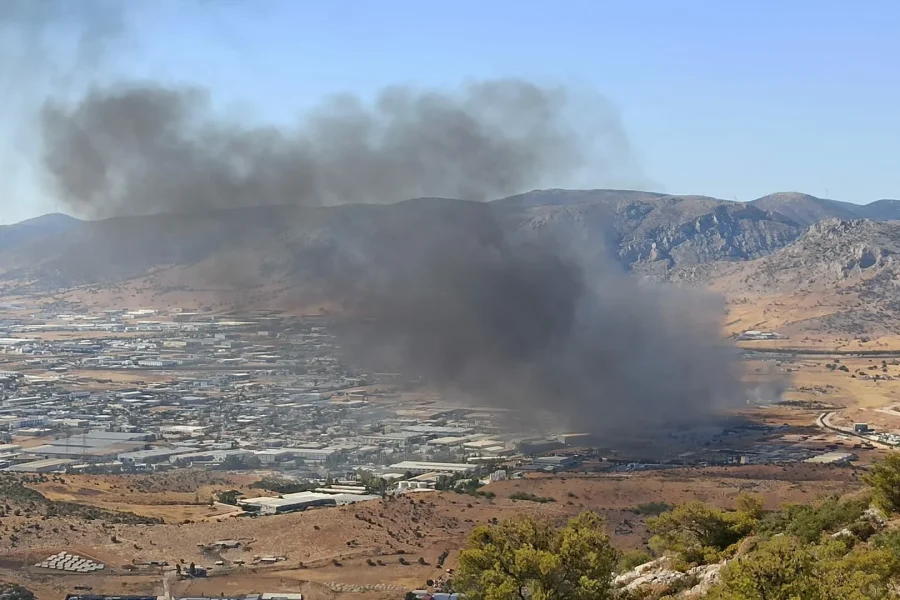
146, 390
134, 391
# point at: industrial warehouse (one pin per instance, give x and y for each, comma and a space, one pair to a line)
216, 383
300, 501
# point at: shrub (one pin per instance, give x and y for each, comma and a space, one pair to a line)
12, 591
698, 532
532, 557
808, 522
786, 567
631, 559
531, 497
652, 508
884, 479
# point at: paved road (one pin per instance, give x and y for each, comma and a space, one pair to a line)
823, 421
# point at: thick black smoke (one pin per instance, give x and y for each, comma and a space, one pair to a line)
520, 323
149, 148
527, 326
442, 289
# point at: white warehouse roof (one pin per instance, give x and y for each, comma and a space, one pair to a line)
427, 467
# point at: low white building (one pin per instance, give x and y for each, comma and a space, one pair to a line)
47, 465
415, 466
287, 503
271, 456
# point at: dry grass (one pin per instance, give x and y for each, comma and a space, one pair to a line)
812, 380
787, 313
773, 312
418, 525
174, 497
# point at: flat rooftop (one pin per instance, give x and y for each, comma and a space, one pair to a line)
415, 465
63, 450
287, 499
47, 463
831, 457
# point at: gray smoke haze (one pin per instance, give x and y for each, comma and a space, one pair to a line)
534, 328
527, 324
147, 148
450, 293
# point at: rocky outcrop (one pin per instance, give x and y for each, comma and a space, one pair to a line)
655, 235
855, 256
658, 577
729, 233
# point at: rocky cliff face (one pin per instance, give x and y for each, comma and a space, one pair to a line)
727, 233
846, 272
658, 579
831, 254
653, 235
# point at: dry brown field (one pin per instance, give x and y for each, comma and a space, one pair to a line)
175, 497
412, 526
329, 551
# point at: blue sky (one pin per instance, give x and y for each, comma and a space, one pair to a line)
734, 100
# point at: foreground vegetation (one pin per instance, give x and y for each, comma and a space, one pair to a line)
836, 549
526, 557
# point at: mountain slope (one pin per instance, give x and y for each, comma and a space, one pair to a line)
241, 249
805, 209
289, 256
37, 228
839, 277
561, 197
881, 210
649, 233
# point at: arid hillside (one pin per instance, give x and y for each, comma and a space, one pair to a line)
840, 278
368, 550
835, 277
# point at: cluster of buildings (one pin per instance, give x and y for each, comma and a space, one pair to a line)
146, 391
141, 390
328, 496
755, 334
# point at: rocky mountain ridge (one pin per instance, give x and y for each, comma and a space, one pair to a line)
846, 274
740, 248
805, 210
646, 233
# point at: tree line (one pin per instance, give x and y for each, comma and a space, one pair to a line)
834, 549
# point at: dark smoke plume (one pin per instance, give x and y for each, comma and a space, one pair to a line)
447, 293
148, 149
533, 328
455, 292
